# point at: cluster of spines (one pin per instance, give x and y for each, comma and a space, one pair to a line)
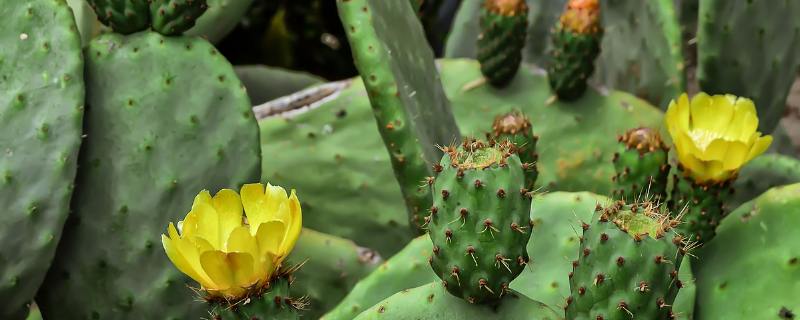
665, 224
461, 161
518, 128
642, 166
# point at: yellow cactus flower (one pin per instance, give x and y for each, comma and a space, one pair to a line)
715, 136
230, 254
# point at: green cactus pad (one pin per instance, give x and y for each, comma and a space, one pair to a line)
480, 219
504, 26
340, 185
266, 83
153, 141
642, 166
751, 270
517, 128
642, 50
123, 16
627, 266
173, 17
701, 206
410, 106
41, 111
405, 270
276, 303
430, 302
572, 62
761, 174
220, 19
331, 267
750, 49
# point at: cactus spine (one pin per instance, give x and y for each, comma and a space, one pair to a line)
628, 264
576, 46
504, 26
479, 222
642, 166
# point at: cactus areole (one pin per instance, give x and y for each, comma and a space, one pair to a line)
480, 219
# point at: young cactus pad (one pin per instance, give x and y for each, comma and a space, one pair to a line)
173, 17
168, 17
41, 113
642, 166
153, 139
516, 127
480, 219
504, 26
576, 46
627, 266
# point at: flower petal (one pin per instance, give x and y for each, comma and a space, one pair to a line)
295, 222
758, 148
699, 106
270, 237
177, 258
207, 225
228, 206
735, 157
253, 200
240, 240
190, 251
202, 197
677, 116
231, 269
716, 116
716, 150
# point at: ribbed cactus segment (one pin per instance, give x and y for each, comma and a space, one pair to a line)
274, 303
702, 206
504, 30
479, 223
172, 17
627, 266
123, 16
517, 128
642, 166
576, 46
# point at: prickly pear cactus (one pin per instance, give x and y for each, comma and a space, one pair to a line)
642, 166
576, 45
275, 303
627, 266
41, 112
153, 140
504, 26
220, 19
517, 128
124, 17
480, 219
428, 301
173, 17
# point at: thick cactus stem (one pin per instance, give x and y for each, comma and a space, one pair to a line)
576, 46
642, 166
274, 302
480, 219
504, 30
702, 206
516, 127
628, 264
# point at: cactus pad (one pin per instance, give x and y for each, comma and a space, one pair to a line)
411, 109
642, 166
220, 19
627, 266
153, 140
750, 49
701, 206
41, 111
480, 219
751, 270
430, 302
504, 26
